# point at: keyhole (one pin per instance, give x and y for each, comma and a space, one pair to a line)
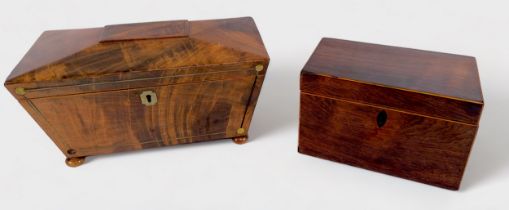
381, 119
148, 98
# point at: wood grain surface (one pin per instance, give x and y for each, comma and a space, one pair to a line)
111, 121
400, 111
210, 43
151, 30
443, 74
423, 149
410, 101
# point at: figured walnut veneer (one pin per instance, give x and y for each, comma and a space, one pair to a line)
85, 87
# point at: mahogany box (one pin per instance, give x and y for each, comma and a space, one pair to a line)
404, 112
135, 86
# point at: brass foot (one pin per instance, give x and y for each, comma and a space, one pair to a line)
240, 140
74, 161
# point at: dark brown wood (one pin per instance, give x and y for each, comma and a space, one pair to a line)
367, 106
447, 75
411, 146
409, 101
89, 96
152, 30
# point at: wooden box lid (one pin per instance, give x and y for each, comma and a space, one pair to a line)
428, 83
116, 49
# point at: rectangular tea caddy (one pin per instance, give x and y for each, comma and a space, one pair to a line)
135, 86
404, 112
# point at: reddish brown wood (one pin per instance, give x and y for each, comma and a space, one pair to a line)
411, 146
210, 43
49, 48
443, 74
367, 105
152, 30
88, 96
408, 101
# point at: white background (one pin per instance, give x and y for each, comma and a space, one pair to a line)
266, 173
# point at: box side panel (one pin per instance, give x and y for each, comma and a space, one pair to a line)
255, 93
414, 147
43, 123
89, 122
122, 120
404, 100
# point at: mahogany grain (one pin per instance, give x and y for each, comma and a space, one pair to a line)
404, 112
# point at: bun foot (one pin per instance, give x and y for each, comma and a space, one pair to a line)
74, 161
240, 140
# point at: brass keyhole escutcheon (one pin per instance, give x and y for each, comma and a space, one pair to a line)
148, 98
381, 119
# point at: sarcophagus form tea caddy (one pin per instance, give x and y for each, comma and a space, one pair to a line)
399, 111
134, 86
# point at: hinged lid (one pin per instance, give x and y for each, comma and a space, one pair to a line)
422, 82
120, 49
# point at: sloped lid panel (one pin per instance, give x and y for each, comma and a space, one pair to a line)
123, 49
240, 34
51, 47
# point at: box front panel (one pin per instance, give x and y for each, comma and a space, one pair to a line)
419, 148
122, 120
